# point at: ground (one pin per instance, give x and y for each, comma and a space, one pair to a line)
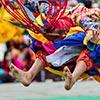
82, 90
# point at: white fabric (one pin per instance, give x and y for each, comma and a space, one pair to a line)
62, 55
3, 48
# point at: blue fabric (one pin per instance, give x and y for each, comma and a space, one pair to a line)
32, 45
72, 40
93, 72
1, 71
89, 24
97, 61
45, 22
98, 50
95, 54
81, 1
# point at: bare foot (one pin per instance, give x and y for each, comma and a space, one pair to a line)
22, 76
68, 78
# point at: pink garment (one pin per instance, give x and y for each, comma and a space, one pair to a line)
49, 47
17, 63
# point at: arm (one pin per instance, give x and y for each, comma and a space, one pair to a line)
89, 22
91, 44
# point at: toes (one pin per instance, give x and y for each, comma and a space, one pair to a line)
67, 72
66, 69
11, 66
67, 87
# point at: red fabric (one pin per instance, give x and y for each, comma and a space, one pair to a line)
84, 55
42, 55
64, 23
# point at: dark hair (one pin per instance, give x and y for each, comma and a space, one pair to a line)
5, 54
88, 3
23, 46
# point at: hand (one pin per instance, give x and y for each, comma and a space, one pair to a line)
95, 36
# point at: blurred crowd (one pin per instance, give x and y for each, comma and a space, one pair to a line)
18, 52
87, 3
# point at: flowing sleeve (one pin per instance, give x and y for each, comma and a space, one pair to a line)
84, 17
88, 19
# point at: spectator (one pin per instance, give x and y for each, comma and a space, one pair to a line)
8, 59
14, 46
3, 48
95, 5
5, 75
72, 3
88, 3
26, 57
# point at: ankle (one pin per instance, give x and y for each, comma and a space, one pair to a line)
30, 76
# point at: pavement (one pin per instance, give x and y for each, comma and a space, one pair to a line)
49, 89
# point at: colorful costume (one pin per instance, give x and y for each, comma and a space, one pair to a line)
11, 32
47, 45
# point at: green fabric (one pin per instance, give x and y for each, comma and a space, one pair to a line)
91, 46
15, 23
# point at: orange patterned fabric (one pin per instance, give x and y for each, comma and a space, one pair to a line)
97, 78
42, 55
84, 56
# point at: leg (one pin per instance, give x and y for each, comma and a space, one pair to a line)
26, 77
70, 79
83, 63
